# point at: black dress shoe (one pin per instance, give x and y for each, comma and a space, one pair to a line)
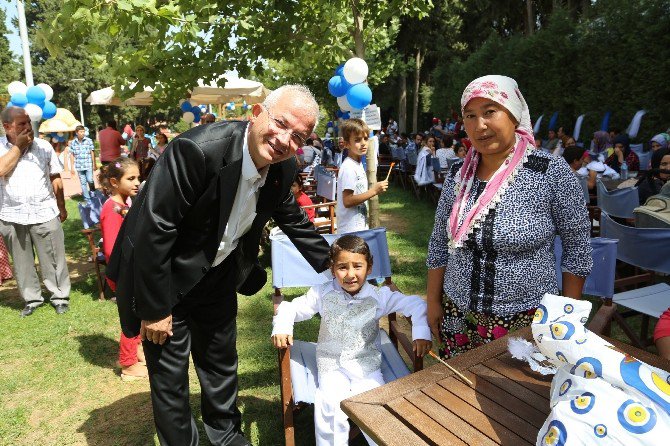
28, 310
61, 308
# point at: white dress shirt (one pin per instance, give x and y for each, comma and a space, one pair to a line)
26, 194
244, 207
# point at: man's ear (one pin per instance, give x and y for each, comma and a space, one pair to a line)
256, 110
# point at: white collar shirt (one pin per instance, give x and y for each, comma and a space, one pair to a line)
26, 193
243, 211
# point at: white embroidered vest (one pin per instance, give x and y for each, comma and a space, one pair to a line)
348, 334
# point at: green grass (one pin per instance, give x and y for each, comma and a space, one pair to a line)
59, 384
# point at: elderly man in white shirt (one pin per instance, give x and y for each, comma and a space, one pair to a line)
32, 208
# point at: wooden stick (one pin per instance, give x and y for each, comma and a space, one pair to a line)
460, 375
390, 169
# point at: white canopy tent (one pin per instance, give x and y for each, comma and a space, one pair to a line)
235, 89
106, 96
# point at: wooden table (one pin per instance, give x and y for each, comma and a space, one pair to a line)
507, 406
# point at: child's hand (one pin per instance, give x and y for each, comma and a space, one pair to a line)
381, 186
421, 347
282, 340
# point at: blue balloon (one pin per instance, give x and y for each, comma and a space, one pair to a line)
196, 118
330, 124
195, 110
35, 95
359, 96
339, 113
339, 71
186, 106
345, 115
48, 110
338, 86
19, 99
9, 104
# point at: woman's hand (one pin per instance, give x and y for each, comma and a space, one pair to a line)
421, 347
282, 340
434, 317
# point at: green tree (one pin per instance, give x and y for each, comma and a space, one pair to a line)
9, 67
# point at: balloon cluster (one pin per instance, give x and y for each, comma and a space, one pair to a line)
329, 127
230, 106
349, 87
192, 113
36, 100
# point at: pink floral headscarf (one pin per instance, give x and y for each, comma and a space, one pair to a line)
505, 91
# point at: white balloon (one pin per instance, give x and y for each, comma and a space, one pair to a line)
48, 91
54, 139
34, 111
329, 130
16, 87
355, 70
344, 104
188, 117
61, 134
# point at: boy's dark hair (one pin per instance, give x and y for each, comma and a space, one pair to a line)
79, 127
111, 123
350, 243
115, 169
572, 154
353, 127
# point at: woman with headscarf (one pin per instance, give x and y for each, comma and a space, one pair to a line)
491, 253
654, 179
601, 143
622, 152
659, 142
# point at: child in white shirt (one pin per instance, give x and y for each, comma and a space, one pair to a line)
352, 183
347, 353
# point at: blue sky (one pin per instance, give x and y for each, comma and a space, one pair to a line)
14, 42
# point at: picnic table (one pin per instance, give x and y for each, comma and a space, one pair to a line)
507, 406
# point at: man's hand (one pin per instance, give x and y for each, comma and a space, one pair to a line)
156, 331
24, 140
381, 186
63, 215
282, 340
421, 347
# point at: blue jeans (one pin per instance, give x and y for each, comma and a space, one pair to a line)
86, 180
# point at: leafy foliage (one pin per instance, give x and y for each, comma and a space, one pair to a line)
613, 59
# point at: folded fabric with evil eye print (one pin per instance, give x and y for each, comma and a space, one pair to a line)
600, 395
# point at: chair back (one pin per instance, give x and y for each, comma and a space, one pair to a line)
645, 248
601, 280
619, 202
436, 165
90, 212
411, 156
644, 157
397, 152
326, 183
290, 269
583, 181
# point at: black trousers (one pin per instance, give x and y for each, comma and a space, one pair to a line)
203, 324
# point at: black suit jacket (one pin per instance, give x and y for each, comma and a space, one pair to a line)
170, 236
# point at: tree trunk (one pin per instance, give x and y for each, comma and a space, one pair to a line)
530, 18
371, 156
417, 78
402, 105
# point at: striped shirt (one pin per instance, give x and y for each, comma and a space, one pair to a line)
26, 194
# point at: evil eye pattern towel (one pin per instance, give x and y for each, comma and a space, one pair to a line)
600, 395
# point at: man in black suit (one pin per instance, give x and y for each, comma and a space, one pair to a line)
190, 243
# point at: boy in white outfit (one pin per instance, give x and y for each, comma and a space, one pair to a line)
352, 182
347, 353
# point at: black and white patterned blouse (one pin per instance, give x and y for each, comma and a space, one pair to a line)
507, 265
